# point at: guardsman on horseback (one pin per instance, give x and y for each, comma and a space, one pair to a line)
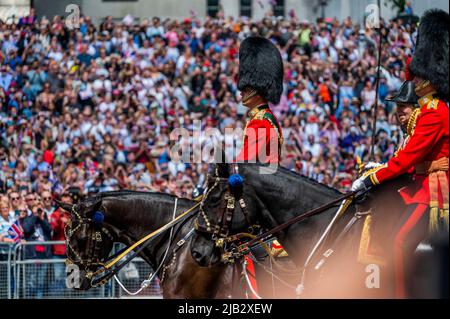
426, 150
260, 82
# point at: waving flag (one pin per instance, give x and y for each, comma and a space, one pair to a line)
15, 231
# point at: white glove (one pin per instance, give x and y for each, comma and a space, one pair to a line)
371, 165
358, 185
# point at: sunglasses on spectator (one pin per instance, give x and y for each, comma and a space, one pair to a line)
14, 198
46, 198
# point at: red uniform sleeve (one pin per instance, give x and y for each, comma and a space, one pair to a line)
427, 132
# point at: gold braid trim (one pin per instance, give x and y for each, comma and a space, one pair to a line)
422, 85
373, 170
412, 122
255, 113
257, 109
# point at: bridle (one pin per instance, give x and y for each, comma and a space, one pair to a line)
220, 232
95, 236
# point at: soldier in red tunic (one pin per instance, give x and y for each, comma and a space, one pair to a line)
427, 150
260, 81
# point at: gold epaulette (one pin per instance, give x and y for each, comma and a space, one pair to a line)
433, 104
430, 100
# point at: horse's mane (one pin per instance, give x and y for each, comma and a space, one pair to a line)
131, 192
99, 196
283, 172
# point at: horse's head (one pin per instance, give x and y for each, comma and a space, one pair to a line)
89, 239
227, 208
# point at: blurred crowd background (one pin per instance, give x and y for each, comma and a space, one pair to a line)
91, 109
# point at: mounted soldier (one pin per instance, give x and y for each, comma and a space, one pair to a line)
426, 150
260, 82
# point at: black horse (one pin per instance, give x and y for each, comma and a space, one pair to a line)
129, 216
272, 199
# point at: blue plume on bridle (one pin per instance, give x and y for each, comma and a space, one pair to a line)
235, 181
98, 217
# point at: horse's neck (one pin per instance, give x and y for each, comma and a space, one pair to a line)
296, 197
131, 224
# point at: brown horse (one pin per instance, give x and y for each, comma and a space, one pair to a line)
129, 216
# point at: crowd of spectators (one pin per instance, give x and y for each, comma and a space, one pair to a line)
91, 109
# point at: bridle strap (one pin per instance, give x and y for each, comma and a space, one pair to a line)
245, 211
227, 216
221, 229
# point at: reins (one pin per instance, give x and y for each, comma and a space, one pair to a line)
151, 276
244, 248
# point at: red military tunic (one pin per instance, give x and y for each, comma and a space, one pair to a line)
429, 142
426, 152
262, 137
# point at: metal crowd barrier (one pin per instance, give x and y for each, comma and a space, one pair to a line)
131, 277
31, 278
6, 281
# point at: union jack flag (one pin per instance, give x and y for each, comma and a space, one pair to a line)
15, 231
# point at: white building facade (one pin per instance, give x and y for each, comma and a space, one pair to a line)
180, 9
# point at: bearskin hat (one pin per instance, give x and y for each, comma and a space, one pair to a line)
430, 59
261, 68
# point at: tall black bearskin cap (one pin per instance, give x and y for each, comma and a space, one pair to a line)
430, 59
261, 68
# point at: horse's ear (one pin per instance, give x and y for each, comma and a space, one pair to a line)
93, 208
65, 206
222, 170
